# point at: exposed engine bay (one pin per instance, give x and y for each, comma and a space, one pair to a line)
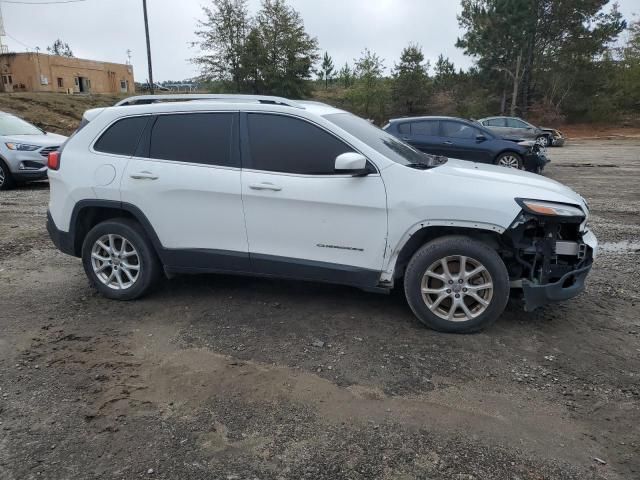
547, 257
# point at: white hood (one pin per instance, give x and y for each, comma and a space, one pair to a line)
511, 182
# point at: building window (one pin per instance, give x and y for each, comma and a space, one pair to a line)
5, 80
60, 82
77, 81
124, 85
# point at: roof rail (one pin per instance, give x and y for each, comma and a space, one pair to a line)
264, 99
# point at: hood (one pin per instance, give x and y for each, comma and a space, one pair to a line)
48, 140
510, 183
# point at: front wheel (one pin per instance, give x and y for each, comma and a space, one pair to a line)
543, 141
510, 160
119, 260
456, 284
6, 179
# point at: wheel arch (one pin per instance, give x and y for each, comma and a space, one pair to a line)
88, 213
508, 150
424, 232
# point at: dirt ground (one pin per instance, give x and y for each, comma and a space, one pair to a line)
230, 378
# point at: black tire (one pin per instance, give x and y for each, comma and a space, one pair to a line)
544, 140
506, 157
147, 260
6, 179
475, 251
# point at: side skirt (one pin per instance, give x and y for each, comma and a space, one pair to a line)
195, 261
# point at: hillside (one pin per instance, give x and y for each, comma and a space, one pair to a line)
61, 113
54, 112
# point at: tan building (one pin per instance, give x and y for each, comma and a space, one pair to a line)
37, 72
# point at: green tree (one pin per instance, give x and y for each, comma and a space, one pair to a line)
326, 70
289, 52
60, 48
522, 38
369, 93
222, 37
345, 76
410, 79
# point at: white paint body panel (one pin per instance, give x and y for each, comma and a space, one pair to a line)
189, 205
335, 219
195, 206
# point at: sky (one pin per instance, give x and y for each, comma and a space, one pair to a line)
106, 29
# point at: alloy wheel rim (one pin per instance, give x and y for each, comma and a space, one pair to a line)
509, 161
2, 176
457, 288
543, 141
115, 261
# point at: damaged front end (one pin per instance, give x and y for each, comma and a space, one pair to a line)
549, 252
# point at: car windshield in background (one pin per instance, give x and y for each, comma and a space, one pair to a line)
383, 142
10, 125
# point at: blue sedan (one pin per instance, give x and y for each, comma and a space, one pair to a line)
458, 138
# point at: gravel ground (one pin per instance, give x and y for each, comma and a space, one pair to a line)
216, 377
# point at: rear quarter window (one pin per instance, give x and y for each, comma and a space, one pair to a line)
122, 137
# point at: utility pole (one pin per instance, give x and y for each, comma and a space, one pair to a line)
146, 31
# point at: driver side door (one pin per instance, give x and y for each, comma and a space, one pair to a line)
304, 219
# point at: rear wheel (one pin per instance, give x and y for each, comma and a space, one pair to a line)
456, 284
6, 179
510, 160
119, 260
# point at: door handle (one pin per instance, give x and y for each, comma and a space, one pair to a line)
406, 139
144, 176
448, 143
265, 186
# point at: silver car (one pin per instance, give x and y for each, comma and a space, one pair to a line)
514, 127
24, 149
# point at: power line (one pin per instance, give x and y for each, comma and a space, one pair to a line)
52, 2
18, 41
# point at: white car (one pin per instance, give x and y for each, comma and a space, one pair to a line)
272, 187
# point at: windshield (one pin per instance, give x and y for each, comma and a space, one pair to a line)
10, 125
378, 139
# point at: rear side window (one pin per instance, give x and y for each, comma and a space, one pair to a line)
285, 144
428, 128
404, 128
122, 137
204, 138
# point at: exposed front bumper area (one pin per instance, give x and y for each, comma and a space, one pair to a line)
62, 240
570, 285
30, 175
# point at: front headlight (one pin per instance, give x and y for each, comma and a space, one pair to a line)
22, 147
549, 209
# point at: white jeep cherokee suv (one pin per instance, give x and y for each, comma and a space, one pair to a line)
272, 187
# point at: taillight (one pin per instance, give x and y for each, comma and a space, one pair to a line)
53, 161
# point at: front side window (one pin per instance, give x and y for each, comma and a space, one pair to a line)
516, 123
381, 141
458, 130
122, 137
204, 138
279, 143
495, 122
426, 127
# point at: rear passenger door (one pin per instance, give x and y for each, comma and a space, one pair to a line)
185, 178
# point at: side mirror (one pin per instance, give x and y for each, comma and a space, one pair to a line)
480, 138
351, 162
